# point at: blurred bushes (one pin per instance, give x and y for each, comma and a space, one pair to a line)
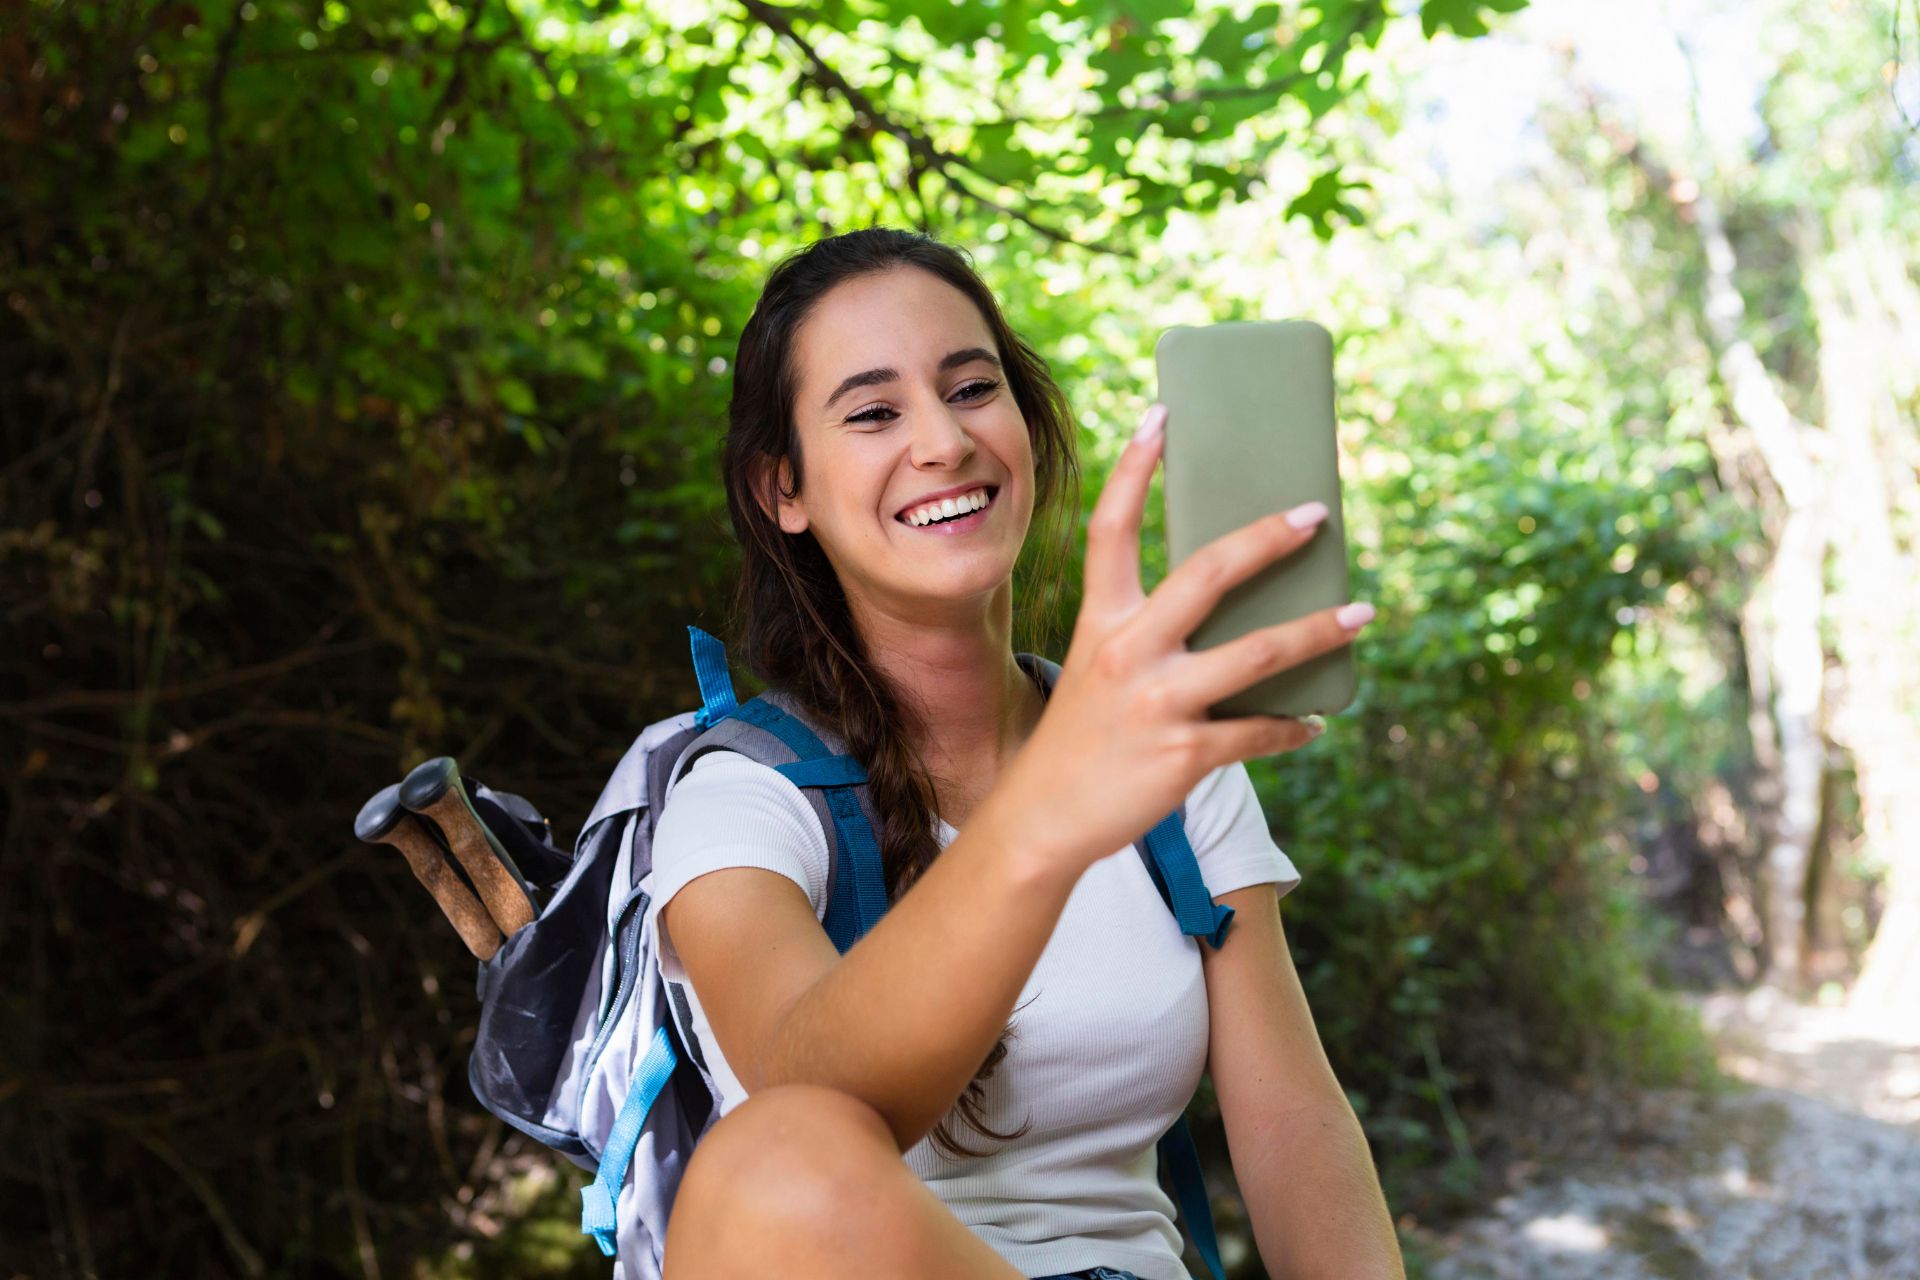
365, 373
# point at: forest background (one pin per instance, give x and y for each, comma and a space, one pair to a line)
365, 367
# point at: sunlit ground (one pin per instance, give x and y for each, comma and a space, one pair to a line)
1810, 1170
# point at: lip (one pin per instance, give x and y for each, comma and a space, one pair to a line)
993, 491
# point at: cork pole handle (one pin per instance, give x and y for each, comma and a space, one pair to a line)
434, 791
505, 899
383, 821
470, 919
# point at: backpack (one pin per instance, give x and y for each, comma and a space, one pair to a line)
585, 1046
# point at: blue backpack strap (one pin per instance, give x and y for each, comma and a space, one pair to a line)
716, 685
1176, 873
597, 1198
857, 897
860, 889
852, 914
1165, 850
1190, 1187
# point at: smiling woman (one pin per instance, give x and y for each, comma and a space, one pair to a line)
826, 453
890, 443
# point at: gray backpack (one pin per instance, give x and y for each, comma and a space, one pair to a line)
585, 1046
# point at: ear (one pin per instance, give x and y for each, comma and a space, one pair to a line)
769, 486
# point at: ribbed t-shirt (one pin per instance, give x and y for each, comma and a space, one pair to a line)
1110, 1031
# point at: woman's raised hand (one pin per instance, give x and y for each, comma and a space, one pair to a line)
1125, 735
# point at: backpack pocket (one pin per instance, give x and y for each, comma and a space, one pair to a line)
540, 1002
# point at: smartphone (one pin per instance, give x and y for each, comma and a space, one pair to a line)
1250, 431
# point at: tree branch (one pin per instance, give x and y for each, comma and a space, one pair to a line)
217, 112
117, 699
870, 115
1364, 15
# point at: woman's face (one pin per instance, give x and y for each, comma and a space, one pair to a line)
901, 397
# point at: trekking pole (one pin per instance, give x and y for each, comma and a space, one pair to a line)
434, 791
383, 820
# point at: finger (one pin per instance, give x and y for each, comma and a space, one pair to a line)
1250, 737
1206, 676
1112, 574
1190, 592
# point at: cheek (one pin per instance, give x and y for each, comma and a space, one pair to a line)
1018, 450
1023, 462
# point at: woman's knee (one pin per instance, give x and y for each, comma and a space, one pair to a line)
793, 1153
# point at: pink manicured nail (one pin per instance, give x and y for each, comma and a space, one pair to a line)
1307, 515
1354, 616
1151, 425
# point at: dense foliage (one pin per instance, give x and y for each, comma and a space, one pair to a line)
365, 366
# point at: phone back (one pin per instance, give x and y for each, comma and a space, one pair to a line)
1250, 431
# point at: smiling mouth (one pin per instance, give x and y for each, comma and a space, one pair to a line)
993, 492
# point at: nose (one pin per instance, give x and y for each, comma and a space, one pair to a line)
940, 441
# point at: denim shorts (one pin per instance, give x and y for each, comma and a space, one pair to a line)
1093, 1273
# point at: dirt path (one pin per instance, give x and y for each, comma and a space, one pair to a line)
1809, 1171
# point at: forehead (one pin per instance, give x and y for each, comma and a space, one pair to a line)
903, 317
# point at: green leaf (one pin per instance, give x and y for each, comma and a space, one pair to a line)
514, 395
1231, 41
1010, 165
1462, 17
1325, 198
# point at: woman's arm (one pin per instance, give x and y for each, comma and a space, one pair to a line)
1298, 1152
904, 1019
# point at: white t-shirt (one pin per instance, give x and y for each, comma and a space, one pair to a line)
1111, 1028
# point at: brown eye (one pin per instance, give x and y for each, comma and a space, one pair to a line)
979, 389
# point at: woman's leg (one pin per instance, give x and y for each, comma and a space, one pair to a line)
802, 1181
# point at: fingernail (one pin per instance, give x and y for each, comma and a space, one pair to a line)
1151, 425
1354, 616
1307, 515
1318, 724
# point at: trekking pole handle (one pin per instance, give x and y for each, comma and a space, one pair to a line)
382, 820
434, 791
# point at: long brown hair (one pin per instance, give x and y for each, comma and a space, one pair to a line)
790, 612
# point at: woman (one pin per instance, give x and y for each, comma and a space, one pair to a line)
875, 381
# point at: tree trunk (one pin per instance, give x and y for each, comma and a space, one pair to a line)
1780, 622
1868, 313
1783, 616
1857, 274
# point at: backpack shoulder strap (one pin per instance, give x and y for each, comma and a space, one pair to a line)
772, 730
1165, 849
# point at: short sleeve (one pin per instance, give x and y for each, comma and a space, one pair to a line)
1229, 834
729, 811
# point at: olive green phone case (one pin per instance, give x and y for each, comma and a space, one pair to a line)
1250, 431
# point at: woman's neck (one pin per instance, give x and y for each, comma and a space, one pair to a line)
979, 705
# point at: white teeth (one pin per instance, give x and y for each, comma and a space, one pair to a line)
947, 507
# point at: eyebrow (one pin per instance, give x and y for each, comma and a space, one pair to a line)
874, 377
